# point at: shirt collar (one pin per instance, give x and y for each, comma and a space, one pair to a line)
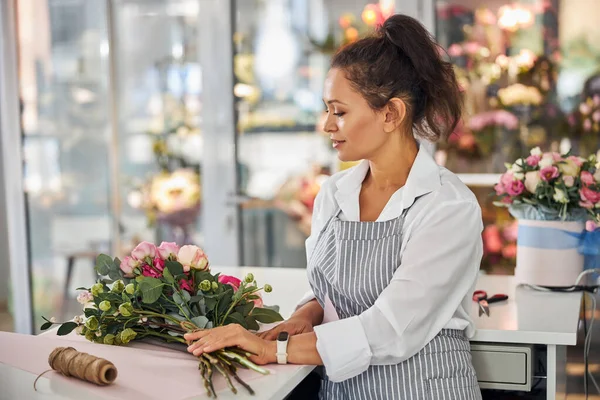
423, 178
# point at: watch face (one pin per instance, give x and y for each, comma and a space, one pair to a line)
283, 336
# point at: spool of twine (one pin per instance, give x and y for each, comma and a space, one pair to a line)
86, 367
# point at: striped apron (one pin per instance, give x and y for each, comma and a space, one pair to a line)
351, 264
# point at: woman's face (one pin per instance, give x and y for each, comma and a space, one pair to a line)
355, 129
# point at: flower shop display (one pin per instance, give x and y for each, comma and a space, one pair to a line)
556, 200
164, 292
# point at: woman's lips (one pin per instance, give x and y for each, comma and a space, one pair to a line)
337, 143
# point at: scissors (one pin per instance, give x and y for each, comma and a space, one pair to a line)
481, 297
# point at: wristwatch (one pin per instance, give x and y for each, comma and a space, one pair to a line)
282, 342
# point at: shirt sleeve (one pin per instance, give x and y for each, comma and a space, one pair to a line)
438, 269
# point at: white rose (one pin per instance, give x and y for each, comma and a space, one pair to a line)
192, 257
569, 168
532, 180
536, 151
597, 175
516, 167
546, 161
560, 196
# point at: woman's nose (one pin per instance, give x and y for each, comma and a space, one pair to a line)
330, 125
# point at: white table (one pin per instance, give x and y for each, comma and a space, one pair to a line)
531, 317
548, 319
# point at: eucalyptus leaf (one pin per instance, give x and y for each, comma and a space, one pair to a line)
103, 264
266, 316
115, 274
66, 328
200, 321
177, 299
186, 295
151, 289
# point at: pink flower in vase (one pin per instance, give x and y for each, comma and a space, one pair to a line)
588, 195
549, 173
568, 180
587, 178
586, 204
533, 160
515, 188
499, 188
577, 160
557, 157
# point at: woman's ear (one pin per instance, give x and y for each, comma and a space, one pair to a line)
395, 114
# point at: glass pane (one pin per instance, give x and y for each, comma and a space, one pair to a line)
525, 67
63, 70
160, 143
283, 49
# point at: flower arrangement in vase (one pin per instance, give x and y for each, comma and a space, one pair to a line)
556, 200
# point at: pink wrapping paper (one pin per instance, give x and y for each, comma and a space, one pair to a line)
143, 370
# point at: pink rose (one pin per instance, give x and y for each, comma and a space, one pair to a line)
143, 250
186, 284
589, 195
128, 264
549, 173
159, 263
230, 280
591, 226
168, 249
192, 257
568, 180
587, 178
587, 125
515, 188
586, 204
147, 270
533, 161
507, 178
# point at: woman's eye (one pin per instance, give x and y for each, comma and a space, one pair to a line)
339, 114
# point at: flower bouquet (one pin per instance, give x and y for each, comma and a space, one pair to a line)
164, 292
585, 122
553, 196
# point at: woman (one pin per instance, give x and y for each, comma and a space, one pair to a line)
395, 245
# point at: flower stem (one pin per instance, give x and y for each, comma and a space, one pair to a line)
245, 362
142, 312
165, 336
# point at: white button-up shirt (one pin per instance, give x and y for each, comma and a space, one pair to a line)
431, 289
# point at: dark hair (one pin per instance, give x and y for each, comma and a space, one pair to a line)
401, 59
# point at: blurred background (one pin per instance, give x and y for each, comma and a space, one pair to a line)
200, 121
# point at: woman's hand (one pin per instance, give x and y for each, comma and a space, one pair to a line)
209, 340
293, 326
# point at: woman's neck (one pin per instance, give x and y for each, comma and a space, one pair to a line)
390, 168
